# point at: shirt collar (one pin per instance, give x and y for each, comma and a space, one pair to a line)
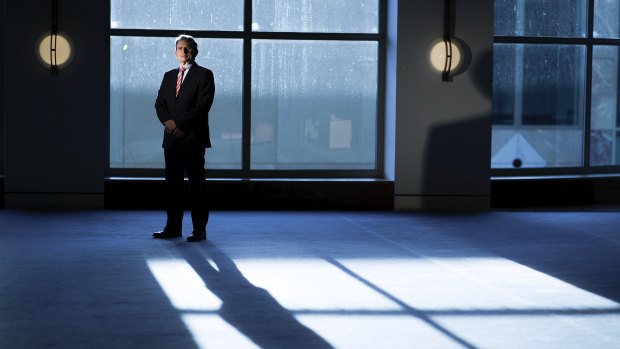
187, 66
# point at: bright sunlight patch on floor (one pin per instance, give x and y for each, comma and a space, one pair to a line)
403, 302
377, 331
211, 331
472, 284
182, 285
312, 284
508, 331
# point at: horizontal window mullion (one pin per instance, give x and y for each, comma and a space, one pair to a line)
553, 40
175, 33
264, 174
252, 35
537, 127
498, 173
305, 173
540, 40
600, 41
248, 35
316, 36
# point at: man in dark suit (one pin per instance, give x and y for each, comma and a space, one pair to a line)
183, 103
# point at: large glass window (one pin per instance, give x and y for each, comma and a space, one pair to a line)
295, 90
555, 87
539, 98
606, 19
135, 132
605, 134
309, 113
177, 14
325, 16
550, 18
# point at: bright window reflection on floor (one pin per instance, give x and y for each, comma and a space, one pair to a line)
211, 331
403, 303
536, 331
472, 284
312, 284
377, 331
182, 285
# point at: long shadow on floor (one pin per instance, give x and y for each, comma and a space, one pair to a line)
250, 309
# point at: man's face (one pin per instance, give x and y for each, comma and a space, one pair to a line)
184, 53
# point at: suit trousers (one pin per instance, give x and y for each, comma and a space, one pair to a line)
182, 158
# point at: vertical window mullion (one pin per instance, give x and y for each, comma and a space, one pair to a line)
246, 132
519, 60
381, 71
518, 89
588, 107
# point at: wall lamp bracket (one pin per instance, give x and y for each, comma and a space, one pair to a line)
448, 55
54, 48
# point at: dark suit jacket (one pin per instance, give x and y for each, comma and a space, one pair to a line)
190, 110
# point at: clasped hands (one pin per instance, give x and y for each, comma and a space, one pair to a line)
171, 127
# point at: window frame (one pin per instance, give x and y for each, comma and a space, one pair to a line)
2, 95
589, 42
248, 35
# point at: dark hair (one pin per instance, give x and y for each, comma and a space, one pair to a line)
191, 42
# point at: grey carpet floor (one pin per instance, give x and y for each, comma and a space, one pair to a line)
510, 279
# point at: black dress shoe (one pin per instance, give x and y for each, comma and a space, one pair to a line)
167, 234
197, 236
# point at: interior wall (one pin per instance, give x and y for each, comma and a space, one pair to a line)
438, 133
55, 125
443, 129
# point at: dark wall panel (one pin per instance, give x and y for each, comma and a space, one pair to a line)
55, 125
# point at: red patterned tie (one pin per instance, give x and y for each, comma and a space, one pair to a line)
179, 79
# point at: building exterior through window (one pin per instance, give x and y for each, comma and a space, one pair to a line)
555, 85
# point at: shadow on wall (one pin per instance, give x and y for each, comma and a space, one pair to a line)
457, 162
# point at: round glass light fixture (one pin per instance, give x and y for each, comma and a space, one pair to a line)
54, 50
438, 56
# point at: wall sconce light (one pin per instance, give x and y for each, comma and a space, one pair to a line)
448, 55
54, 49
445, 57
